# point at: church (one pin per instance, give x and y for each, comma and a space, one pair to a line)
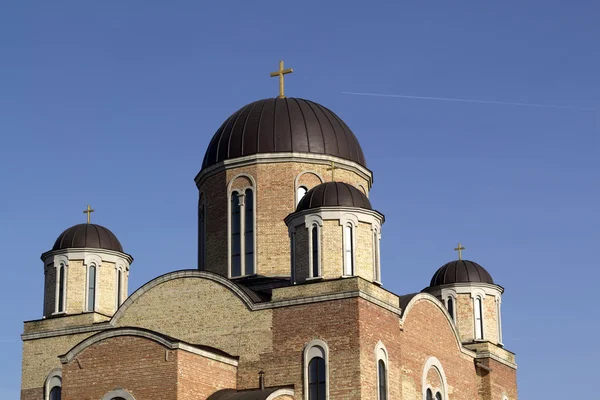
287, 298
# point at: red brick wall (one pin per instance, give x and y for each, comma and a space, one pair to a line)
200, 377
140, 366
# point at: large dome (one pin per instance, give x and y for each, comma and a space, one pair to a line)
283, 125
88, 235
461, 271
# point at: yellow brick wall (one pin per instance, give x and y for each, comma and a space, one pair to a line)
302, 254
50, 290
275, 194
364, 251
465, 318
332, 246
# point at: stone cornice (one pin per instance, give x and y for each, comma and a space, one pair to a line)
83, 252
267, 158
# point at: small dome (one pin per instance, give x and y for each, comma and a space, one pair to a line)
334, 194
282, 125
88, 235
461, 271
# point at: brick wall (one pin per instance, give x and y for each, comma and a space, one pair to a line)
276, 198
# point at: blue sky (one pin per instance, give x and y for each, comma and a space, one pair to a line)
113, 103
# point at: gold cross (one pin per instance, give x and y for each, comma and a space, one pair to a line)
459, 249
280, 74
332, 169
89, 211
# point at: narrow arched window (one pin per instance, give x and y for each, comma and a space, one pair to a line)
376, 258
315, 256
202, 233
91, 287
316, 379
61, 288
429, 394
478, 318
451, 307
499, 316
249, 232
236, 238
119, 287
348, 250
381, 369
55, 393
300, 193
293, 256
438, 396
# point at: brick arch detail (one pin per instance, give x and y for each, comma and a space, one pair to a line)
118, 393
190, 273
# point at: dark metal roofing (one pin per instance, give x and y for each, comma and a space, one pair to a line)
232, 394
333, 194
88, 235
283, 125
461, 271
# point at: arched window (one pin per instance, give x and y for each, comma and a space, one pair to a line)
53, 385
55, 393
249, 232
429, 394
91, 288
438, 396
381, 370
118, 394
202, 233
499, 316
300, 193
451, 307
119, 287
316, 375
315, 251
348, 250
236, 237
376, 257
478, 318
61, 288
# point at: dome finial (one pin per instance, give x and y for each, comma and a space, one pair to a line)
459, 249
280, 74
89, 212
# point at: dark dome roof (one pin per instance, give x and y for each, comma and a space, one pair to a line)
283, 125
334, 194
461, 271
88, 235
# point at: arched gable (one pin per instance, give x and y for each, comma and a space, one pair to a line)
420, 297
200, 307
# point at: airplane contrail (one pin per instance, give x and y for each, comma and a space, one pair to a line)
506, 103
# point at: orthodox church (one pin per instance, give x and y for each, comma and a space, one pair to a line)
287, 300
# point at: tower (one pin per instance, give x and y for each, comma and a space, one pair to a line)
86, 271
472, 299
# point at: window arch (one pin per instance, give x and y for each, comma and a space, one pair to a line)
478, 317
91, 289
60, 288
53, 385
315, 250
428, 391
242, 227
349, 240
316, 370
376, 256
119, 287
249, 232
382, 372
499, 317
118, 394
450, 304
202, 232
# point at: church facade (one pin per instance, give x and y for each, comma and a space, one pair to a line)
287, 299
